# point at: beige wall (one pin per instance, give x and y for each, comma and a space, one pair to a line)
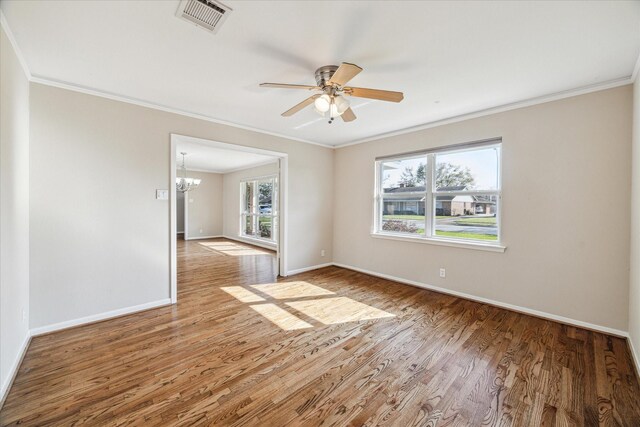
109, 248
231, 195
634, 289
204, 206
14, 210
566, 211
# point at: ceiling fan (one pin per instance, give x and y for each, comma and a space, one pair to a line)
331, 81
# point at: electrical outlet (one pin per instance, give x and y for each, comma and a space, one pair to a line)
443, 273
201, 231
322, 252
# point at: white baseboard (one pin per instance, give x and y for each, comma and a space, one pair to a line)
511, 307
202, 237
635, 356
13, 371
313, 267
253, 242
98, 317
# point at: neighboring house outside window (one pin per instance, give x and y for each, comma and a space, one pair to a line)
449, 194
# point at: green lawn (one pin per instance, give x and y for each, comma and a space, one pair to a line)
461, 235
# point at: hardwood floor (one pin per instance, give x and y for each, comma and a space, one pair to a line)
327, 347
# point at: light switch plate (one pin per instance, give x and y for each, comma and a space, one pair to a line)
162, 194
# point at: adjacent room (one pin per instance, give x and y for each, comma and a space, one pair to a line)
319, 213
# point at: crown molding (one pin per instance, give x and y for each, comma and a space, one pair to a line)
583, 90
148, 104
5, 26
636, 70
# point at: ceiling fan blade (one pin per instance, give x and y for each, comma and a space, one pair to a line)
382, 95
344, 73
348, 115
300, 106
288, 86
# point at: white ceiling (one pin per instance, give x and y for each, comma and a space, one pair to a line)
205, 158
449, 58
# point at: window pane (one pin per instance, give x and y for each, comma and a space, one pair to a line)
404, 215
466, 217
406, 175
265, 196
468, 170
249, 227
248, 196
265, 227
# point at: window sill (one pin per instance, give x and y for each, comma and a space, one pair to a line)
490, 247
268, 244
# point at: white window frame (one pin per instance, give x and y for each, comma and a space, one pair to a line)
430, 193
256, 205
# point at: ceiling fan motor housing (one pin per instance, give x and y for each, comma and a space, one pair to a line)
324, 74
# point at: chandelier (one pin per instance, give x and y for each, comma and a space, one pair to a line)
184, 184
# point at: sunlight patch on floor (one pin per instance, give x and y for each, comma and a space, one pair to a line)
281, 317
233, 249
287, 290
338, 310
243, 294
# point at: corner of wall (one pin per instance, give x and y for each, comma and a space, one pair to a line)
634, 251
14, 218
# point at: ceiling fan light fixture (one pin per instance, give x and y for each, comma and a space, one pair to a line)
322, 103
341, 104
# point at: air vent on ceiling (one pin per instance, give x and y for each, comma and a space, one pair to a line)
207, 14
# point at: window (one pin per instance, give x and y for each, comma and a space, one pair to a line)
445, 194
259, 208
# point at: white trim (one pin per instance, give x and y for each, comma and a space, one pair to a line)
305, 269
583, 90
442, 242
225, 145
98, 317
148, 104
283, 212
173, 222
507, 306
635, 356
14, 44
217, 236
13, 370
254, 242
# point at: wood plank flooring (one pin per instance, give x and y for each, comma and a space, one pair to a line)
329, 347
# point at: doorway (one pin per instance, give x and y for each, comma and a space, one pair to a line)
256, 200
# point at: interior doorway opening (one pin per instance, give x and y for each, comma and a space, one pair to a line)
241, 199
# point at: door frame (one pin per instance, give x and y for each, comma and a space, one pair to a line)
283, 182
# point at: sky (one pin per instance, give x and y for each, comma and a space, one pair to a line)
482, 163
